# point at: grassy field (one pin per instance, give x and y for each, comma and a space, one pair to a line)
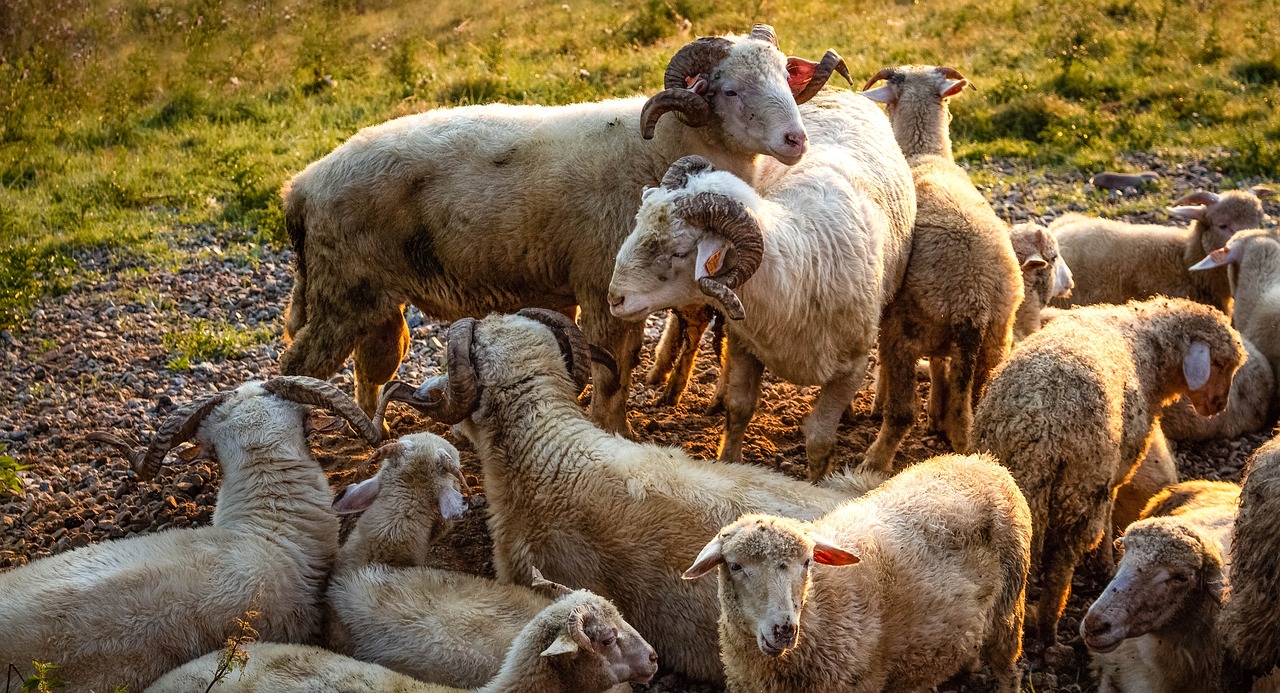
125, 123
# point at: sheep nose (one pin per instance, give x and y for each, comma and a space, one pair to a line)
784, 634
653, 657
796, 139
1095, 626
615, 300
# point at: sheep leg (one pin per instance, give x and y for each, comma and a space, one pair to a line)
664, 355
994, 349
742, 392
959, 417
898, 382
377, 357
937, 393
822, 424
1062, 552
692, 322
321, 347
622, 340
722, 356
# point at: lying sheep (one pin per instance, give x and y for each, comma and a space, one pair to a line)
578, 644
405, 212
1045, 275
590, 507
1072, 411
1154, 628
1250, 621
122, 613
937, 570
804, 272
962, 286
1114, 262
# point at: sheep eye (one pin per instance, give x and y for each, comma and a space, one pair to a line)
735, 567
609, 641
730, 92
682, 254
807, 561
1179, 578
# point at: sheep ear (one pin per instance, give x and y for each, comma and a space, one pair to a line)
711, 256
323, 422
1262, 192
827, 552
881, 94
356, 497
452, 504
799, 73
711, 556
1217, 258
1188, 212
1196, 365
564, 644
952, 87
1036, 261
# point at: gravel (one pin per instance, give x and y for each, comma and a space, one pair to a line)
95, 359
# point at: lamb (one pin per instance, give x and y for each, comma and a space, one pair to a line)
1095, 248
122, 613
1154, 628
938, 558
404, 212
592, 508
956, 305
1045, 275
578, 644
803, 272
1250, 620
1072, 411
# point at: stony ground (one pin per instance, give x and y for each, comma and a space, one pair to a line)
97, 359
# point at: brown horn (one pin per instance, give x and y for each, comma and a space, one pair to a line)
573, 343
1200, 197
449, 397
318, 393
831, 62
555, 588
886, 73
764, 32
695, 58
180, 427
382, 453
952, 73
727, 217
602, 356
678, 174
694, 109
1262, 192
127, 447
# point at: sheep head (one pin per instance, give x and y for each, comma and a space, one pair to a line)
929, 84
765, 577
747, 88
588, 630
1045, 273
1191, 347
1166, 565
185, 422
694, 240
1216, 218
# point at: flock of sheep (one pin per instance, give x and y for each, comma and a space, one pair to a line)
809, 228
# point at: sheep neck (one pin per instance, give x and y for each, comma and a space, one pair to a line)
923, 130
1214, 284
1259, 272
675, 139
1191, 654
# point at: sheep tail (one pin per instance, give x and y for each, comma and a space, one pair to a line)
295, 224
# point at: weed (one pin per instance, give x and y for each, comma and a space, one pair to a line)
233, 654
205, 340
9, 468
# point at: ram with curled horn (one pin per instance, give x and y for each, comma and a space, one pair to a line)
405, 212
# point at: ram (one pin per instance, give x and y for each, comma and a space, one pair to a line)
464, 211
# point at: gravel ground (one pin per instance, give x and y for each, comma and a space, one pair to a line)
96, 358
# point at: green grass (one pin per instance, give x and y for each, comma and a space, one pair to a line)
198, 339
124, 122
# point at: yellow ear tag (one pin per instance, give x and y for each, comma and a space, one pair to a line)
713, 263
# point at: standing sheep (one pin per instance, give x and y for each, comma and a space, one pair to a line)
122, 613
590, 507
1045, 275
1114, 262
803, 272
963, 285
464, 211
937, 567
578, 644
1250, 621
1071, 412
1154, 629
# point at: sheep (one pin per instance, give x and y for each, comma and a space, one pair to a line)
938, 558
1249, 624
593, 508
1045, 275
1096, 248
578, 644
803, 272
1071, 412
405, 212
962, 287
1153, 630
126, 611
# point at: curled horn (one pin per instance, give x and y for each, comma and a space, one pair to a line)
128, 448
382, 453
678, 175
555, 588
318, 393
573, 343
692, 61
831, 62
886, 73
447, 398
180, 427
728, 218
764, 32
602, 356
1200, 197
952, 73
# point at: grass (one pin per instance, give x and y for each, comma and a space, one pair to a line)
199, 339
126, 122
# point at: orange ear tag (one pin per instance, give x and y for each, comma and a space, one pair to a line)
713, 263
